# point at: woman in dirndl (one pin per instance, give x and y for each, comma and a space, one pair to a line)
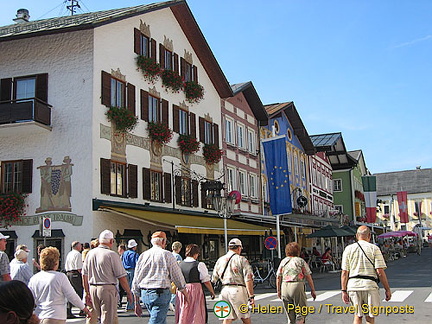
196, 274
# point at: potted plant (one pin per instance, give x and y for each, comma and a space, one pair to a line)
212, 154
172, 80
149, 67
123, 118
188, 144
159, 132
12, 207
194, 91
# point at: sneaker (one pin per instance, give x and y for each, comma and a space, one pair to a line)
172, 307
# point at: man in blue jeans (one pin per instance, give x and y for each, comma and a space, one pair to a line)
129, 260
155, 270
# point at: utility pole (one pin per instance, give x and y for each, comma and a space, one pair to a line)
73, 6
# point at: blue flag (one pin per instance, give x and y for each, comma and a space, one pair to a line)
276, 163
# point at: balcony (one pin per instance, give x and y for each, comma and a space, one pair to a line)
29, 114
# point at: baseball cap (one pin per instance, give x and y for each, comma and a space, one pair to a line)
132, 243
234, 242
106, 235
159, 234
4, 236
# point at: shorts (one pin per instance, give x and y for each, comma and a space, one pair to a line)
364, 300
236, 296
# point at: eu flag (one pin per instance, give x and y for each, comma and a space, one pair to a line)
276, 163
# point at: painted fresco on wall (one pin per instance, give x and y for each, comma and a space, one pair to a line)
56, 188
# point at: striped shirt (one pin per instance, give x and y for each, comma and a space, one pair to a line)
355, 261
157, 268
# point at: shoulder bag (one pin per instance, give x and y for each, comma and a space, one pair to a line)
377, 280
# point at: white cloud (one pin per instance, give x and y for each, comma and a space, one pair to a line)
415, 41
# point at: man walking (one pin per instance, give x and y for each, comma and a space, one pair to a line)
4, 260
73, 266
362, 268
129, 260
236, 275
155, 270
101, 270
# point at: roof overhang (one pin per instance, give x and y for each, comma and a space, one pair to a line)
254, 102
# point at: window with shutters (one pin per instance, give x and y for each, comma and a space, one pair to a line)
241, 143
337, 185
145, 46
229, 137
183, 122
118, 178
168, 60
16, 176
253, 186
242, 183
231, 179
118, 93
209, 132
155, 186
153, 109
25, 88
251, 141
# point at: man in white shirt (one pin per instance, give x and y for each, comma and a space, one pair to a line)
362, 266
73, 266
4, 260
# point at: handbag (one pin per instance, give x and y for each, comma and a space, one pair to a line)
377, 279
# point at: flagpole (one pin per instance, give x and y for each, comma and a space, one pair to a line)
278, 236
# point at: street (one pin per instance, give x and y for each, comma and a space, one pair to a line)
410, 280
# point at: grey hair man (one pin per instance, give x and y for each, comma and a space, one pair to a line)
73, 266
155, 270
362, 268
101, 270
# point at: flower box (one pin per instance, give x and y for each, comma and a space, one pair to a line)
12, 207
212, 154
159, 132
123, 119
172, 80
149, 68
194, 91
188, 144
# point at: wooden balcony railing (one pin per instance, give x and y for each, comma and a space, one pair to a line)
18, 111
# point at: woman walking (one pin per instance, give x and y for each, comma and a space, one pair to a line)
195, 273
52, 289
290, 283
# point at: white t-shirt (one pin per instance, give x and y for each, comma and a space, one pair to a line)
51, 289
355, 261
73, 261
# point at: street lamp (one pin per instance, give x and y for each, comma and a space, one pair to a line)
224, 206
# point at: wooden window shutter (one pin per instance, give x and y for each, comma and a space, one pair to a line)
192, 124
131, 98
137, 41
176, 119
153, 49
167, 188
27, 176
146, 184
144, 105
195, 195
202, 129
133, 181
164, 112
176, 62
125, 182
178, 193
105, 174
5, 89
216, 134
182, 67
194, 73
42, 87
162, 56
106, 89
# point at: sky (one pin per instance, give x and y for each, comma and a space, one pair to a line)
359, 67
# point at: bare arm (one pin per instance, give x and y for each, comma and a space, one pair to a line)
124, 283
210, 288
311, 285
278, 286
383, 278
344, 284
86, 290
249, 288
6, 277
